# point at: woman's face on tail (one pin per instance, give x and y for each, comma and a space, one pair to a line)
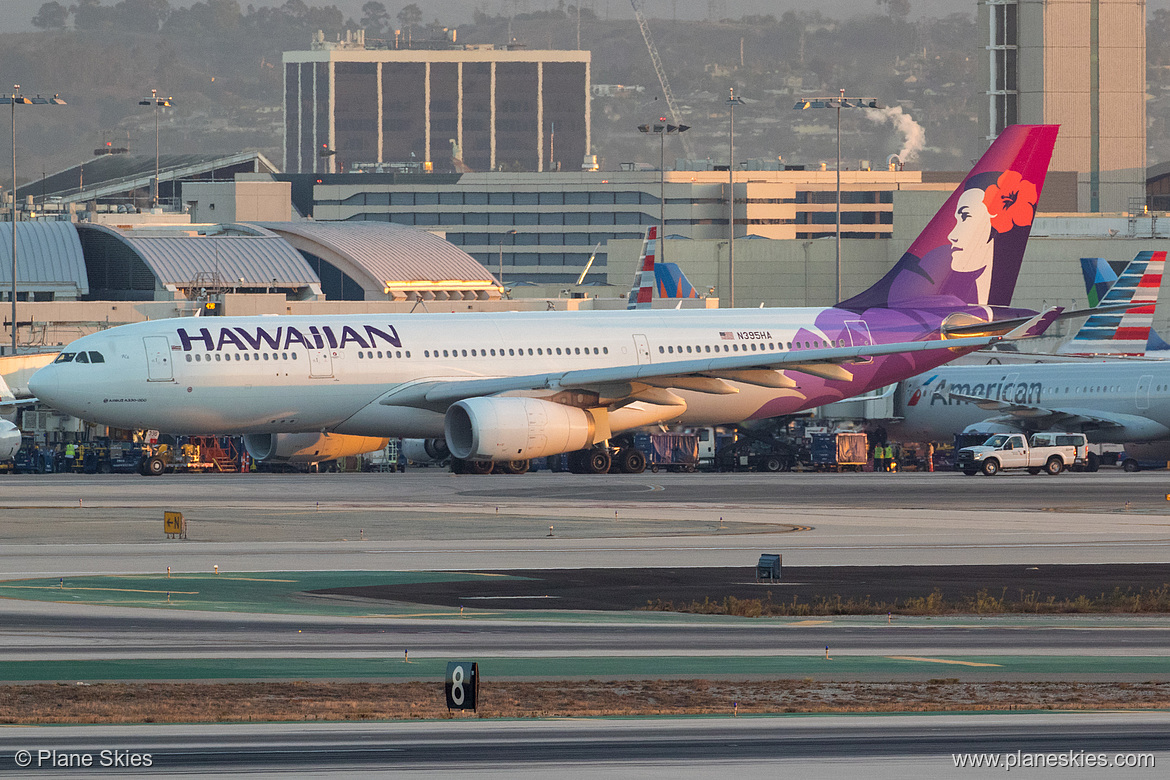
971, 238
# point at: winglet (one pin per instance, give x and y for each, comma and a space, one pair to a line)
1035, 326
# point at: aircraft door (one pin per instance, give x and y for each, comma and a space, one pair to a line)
320, 364
859, 336
1142, 396
643, 348
159, 367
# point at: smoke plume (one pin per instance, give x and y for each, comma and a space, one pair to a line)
914, 137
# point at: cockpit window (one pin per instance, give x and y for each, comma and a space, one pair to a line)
82, 357
96, 357
65, 357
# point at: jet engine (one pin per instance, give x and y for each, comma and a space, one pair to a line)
308, 447
516, 428
425, 450
9, 440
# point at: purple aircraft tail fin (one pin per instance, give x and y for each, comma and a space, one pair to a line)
970, 252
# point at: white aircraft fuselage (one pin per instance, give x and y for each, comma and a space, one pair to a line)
341, 374
1109, 401
513, 386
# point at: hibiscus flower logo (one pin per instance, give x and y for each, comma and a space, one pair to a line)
1011, 201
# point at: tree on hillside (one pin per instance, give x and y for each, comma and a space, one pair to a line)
213, 17
90, 15
141, 15
409, 17
897, 9
375, 18
51, 16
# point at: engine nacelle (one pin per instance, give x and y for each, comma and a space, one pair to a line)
308, 447
515, 428
425, 450
9, 440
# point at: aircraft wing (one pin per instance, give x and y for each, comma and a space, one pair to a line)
8, 402
704, 374
1058, 314
1031, 416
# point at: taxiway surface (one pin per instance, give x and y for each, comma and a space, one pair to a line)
822, 747
432, 520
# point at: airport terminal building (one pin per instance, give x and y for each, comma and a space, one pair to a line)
543, 228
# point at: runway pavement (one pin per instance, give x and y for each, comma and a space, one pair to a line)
33, 630
433, 520
820, 747
68, 526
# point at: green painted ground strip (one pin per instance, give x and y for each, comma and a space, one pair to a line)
395, 668
275, 592
286, 593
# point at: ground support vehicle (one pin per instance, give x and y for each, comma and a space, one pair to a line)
388, 459
841, 451
191, 454
1048, 452
110, 457
749, 449
669, 451
1131, 464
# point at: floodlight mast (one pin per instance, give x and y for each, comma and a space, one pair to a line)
662, 129
14, 99
156, 101
838, 102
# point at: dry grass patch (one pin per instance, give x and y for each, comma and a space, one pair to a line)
326, 701
983, 602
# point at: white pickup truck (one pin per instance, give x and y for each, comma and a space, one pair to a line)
1050, 452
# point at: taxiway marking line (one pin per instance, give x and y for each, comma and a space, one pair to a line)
115, 590
937, 660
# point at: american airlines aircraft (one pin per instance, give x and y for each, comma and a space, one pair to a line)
1127, 332
1109, 401
505, 387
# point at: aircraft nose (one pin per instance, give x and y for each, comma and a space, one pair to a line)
44, 384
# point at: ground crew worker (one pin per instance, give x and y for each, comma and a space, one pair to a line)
891, 464
879, 457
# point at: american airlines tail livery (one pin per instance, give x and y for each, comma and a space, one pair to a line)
513, 386
1114, 332
653, 279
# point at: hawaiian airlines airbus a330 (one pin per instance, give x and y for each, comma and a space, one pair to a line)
512, 386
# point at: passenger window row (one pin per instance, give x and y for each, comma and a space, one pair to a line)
370, 355
227, 356
736, 347
513, 352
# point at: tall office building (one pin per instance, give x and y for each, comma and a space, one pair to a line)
475, 108
1080, 64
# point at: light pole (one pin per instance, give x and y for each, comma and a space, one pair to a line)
662, 130
509, 233
732, 101
156, 101
838, 102
15, 99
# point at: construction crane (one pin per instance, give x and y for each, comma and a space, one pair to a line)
661, 71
